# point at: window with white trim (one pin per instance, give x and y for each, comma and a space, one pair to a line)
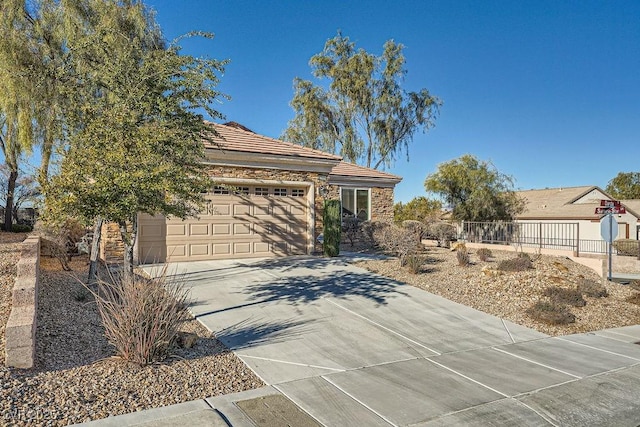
279, 191
356, 202
297, 192
261, 191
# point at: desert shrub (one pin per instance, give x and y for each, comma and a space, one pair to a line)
443, 232
332, 228
21, 228
414, 263
627, 247
371, 229
633, 299
416, 227
141, 316
463, 256
515, 264
592, 288
484, 254
524, 255
351, 227
55, 242
397, 240
559, 295
551, 313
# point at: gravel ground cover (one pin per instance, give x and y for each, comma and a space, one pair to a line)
76, 376
511, 294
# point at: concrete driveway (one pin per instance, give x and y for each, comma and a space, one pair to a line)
352, 348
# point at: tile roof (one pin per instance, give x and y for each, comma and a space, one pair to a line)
349, 169
236, 137
557, 203
632, 204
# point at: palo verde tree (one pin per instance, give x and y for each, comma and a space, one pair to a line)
364, 113
625, 186
136, 145
475, 190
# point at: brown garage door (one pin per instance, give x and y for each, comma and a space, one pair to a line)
237, 222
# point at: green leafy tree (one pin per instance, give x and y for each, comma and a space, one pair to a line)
419, 209
31, 68
625, 186
475, 190
136, 145
364, 113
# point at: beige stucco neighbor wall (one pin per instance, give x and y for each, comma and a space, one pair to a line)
20, 331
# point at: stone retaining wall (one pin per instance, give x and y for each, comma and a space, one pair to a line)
20, 332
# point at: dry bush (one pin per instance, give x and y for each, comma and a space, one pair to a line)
627, 247
551, 313
559, 295
443, 232
592, 288
141, 316
484, 254
351, 227
371, 229
396, 240
414, 263
463, 256
515, 264
55, 241
416, 227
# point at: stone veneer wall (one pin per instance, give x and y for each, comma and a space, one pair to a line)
382, 204
111, 246
20, 331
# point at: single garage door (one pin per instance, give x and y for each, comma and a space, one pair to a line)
237, 222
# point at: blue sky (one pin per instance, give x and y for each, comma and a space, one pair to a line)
547, 90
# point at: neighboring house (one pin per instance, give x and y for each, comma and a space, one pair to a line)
577, 205
266, 199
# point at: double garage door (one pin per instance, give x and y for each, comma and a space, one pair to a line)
236, 222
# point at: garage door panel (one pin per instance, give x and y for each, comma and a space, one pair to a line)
262, 211
241, 229
176, 250
221, 248
176, 230
198, 229
199, 249
221, 229
239, 210
218, 209
261, 248
242, 248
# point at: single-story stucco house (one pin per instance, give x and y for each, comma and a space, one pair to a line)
577, 206
266, 199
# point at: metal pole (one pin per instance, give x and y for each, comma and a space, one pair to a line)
610, 240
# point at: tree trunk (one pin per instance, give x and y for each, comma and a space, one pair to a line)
95, 248
129, 239
8, 209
